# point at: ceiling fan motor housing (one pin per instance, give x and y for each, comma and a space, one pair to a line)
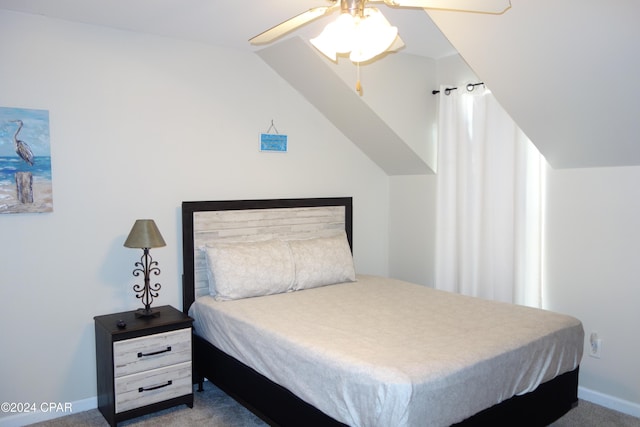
352, 7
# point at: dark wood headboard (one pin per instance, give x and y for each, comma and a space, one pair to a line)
250, 220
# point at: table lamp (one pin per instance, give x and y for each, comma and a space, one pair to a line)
145, 235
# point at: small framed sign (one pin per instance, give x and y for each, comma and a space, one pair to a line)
273, 142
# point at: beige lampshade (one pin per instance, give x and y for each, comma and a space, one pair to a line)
144, 234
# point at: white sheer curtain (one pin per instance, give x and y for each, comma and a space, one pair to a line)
490, 196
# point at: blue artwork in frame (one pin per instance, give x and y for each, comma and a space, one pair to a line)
25, 161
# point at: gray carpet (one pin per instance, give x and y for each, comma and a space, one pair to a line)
588, 414
214, 408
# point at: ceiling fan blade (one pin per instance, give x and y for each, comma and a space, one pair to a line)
291, 24
494, 7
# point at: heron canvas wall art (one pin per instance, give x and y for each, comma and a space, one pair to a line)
25, 161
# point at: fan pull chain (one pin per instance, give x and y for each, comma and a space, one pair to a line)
358, 85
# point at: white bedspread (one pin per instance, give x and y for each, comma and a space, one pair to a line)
382, 352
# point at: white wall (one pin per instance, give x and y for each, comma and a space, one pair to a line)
398, 88
412, 228
139, 124
593, 273
453, 70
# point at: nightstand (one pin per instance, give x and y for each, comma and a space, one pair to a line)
144, 365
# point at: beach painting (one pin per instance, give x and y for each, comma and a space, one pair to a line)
25, 161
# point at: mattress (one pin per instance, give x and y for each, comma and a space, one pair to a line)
383, 352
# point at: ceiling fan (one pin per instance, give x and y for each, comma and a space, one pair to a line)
357, 14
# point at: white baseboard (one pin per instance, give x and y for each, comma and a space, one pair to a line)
46, 412
624, 406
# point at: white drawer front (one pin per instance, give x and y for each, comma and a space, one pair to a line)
157, 385
151, 352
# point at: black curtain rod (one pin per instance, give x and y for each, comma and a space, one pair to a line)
447, 91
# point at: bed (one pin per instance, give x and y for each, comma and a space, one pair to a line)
285, 348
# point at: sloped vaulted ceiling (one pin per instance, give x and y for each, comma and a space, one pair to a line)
566, 71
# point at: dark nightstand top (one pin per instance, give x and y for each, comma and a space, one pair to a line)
169, 319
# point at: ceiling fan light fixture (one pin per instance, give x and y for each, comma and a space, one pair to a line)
325, 47
365, 37
373, 37
337, 36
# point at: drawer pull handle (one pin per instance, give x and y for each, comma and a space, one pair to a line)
154, 353
141, 389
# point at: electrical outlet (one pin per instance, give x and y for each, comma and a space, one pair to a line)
595, 345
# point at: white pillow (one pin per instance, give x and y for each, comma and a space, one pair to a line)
322, 261
249, 269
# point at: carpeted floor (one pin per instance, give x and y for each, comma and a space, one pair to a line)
215, 409
211, 408
588, 414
